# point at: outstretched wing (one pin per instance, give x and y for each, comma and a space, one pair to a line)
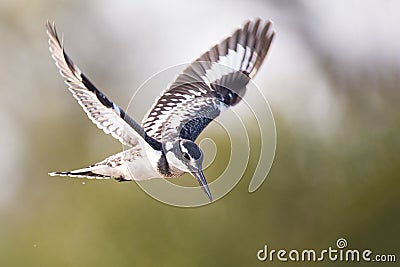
101, 111
213, 82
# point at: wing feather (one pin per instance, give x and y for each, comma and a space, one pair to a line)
106, 115
213, 82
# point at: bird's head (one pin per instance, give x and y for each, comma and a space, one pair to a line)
186, 156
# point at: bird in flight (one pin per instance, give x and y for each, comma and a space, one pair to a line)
163, 146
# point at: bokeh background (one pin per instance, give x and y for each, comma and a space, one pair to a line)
332, 79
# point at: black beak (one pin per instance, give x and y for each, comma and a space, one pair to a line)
203, 183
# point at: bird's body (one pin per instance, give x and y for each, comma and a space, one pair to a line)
163, 147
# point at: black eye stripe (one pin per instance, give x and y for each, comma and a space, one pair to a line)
193, 149
186, 156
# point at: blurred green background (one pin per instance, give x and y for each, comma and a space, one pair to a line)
332, 79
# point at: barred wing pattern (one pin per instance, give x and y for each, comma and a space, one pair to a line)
101, 111
213, 82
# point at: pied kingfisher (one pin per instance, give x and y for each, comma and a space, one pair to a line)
164, 145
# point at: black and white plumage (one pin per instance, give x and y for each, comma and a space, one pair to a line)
164, 146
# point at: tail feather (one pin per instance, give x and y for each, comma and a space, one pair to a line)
82, 173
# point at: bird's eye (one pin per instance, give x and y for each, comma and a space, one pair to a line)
186, 156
